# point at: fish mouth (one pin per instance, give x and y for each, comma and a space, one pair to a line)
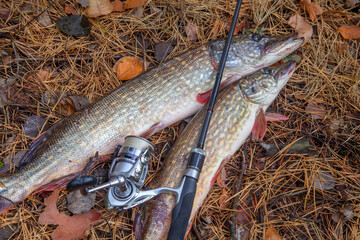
284, 72
282, 46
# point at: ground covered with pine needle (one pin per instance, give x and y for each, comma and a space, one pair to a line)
303, 179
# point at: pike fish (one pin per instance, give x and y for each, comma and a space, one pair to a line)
143, 106
237, 109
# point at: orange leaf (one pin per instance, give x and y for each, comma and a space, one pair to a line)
223, 199
312, 8
352, 32
98, 8
128, 68
303, 28
70, 227
70, 10
272, 234
134, 3
118, 6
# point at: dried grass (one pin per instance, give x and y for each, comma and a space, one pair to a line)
281, 193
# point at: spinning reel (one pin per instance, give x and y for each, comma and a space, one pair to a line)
127, 174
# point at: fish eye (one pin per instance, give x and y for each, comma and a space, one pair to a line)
256, 37
267, 71
264, 85
253, 90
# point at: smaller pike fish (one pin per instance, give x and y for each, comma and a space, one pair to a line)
237, 109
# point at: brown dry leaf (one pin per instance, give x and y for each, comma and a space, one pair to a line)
4, 13
128, 68
134, 3
99, 8
317, 111
272, 234
192, 31
40, 76
70, 10
351, 3
70, 227
44, 19
303, 28
221, 179
223, 203
352, 32
312, 8
118, 6
66, 106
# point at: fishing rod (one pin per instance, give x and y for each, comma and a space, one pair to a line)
130, 163
181, 212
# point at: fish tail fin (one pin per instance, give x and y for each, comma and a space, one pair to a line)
11, 192
5, 202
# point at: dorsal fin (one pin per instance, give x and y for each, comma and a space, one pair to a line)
36, 145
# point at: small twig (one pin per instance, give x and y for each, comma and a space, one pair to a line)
16, 57
237, 188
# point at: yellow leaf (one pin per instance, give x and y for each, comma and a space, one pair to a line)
128, 68
272, 234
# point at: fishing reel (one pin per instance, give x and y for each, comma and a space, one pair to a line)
127, 174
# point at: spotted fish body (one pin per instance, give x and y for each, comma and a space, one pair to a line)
234, 116
151, 102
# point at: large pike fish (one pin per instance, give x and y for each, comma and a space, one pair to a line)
151, 102
238, 108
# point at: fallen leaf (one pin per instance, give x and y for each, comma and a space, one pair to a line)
238, 26
44, 19
192, 31
128, 68
243, 223
40, 76
162, 50
336, 217
17, 158
221, 179
4, 13
312, 8
74, 25
138, 12
348, 212
134, 3
83, 3
79, 102
66, 106
317, 111
6, 232
70, 227
98, 8
272, 234
223, 203
303, 28
77, 203
70, 10
324, 181
352, 32
33, 125
118, 6
351, 3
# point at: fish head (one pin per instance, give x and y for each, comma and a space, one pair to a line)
254, 51
263, 86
